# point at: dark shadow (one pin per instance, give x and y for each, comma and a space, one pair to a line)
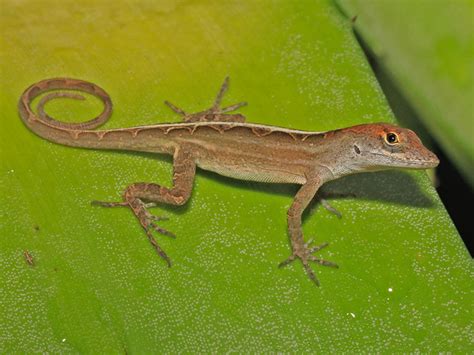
395, 187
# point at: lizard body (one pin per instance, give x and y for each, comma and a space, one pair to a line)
224, 143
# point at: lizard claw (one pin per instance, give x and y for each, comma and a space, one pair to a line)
109, 204
305, 254
330, 208
160, 230
158, 218
158, 249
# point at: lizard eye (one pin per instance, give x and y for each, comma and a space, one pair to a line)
392, 138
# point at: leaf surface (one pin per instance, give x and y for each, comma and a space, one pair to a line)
404, 281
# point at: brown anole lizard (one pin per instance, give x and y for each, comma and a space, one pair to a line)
224, 143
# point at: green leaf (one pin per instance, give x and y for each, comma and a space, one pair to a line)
404, 281
426, 48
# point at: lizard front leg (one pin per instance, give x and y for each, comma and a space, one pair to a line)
303, 250
140, 196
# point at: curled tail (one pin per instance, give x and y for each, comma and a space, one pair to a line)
50, 128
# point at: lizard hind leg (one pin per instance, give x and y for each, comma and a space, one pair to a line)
140, 196
215, 113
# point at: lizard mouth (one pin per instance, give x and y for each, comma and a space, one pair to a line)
420, 163
429, 160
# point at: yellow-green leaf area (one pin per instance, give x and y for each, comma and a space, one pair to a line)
405, 278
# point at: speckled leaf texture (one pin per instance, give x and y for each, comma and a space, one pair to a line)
426, 47
405, 277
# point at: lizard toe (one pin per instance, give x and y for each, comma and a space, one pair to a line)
160, 230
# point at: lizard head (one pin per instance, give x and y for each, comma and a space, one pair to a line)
381, 145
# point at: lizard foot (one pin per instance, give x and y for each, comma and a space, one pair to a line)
215, 113
146, 219
305, 253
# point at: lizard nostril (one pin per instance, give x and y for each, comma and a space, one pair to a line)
356, 148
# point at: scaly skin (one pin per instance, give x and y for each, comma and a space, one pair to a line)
224, 143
